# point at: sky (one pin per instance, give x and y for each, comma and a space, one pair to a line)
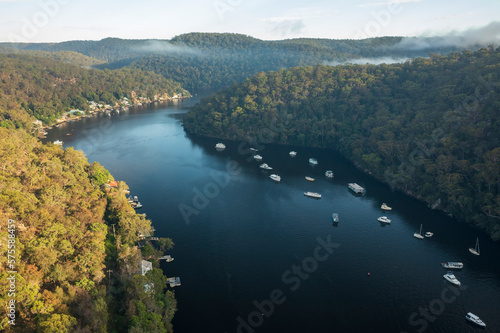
62, 20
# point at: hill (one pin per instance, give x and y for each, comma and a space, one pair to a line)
427, 127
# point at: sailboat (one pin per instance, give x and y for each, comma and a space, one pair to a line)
419, 235
476, 249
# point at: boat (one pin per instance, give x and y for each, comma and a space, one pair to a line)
265, 166
136, 205
451, 277
58, 142
253, 149
429, 234
312, 195
335, 218
475, 250
419, 234
475, 319
293, 153
275, 177
385, 207
356, 188
329, 173
452, 265
220, 145
310, 179
313, 161
258, 157
384, 219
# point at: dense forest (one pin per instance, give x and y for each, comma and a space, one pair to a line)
44, 88
214, 60
428, 127
68, 270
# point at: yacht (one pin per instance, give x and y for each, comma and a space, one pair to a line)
475, 319
419, 234
136, 205
452, 265
310, 179
58, 142
475, 250
384, 219
265, 166
253, 149
313, 161
429, 234
293, 153
220, 145
356, 188
275, 177
385, 207
335, 218
451, 277
329, 173
257, 157
312, 195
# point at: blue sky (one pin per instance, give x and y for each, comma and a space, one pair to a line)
60, 20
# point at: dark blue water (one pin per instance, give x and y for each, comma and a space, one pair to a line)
254, 255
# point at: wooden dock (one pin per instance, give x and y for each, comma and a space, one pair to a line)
174, 281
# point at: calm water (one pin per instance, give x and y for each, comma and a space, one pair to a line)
248, 240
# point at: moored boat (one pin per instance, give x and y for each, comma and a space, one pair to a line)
329, 173
265, 166
385, 207
475, 250
312, 195
313, 161
452, 265
220, 145
356, 188
451, 278
335, 217
275, 177
293, 153
475, 319
429, 234
419, 234
384, 219
58, 142
257, 157
310, 179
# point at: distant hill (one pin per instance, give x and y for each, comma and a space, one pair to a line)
215, 60
428, 127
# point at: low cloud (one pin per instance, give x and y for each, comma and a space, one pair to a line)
165, 48
370, 61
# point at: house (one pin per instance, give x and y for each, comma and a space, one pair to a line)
146, 266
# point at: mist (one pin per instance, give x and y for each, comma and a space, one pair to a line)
368, 61
166, 48
474, 37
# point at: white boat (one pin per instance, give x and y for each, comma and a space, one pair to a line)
419, 234
356, 188
275, 177
258, 157
385, 207
136, 205
313, 161
253, 149
429, 234
265, 166
335, 218
220, 145
58, 142
293, 153
452, 265
475, 250
329, 173
451, 277
384, 219
475, 319
312, 195
310, 179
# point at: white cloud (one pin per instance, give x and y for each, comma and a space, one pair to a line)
385, 3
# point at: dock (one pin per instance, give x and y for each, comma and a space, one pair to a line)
167, 257
174, 281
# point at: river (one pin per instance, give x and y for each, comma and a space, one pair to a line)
255, 255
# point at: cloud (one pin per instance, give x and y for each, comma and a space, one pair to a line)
483, 36
165, 47
385, 3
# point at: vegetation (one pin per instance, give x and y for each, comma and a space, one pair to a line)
64, 253
44, 88
214, 60
427, 127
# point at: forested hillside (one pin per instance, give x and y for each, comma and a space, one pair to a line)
214, 60
428, 127
67, 269
44, 88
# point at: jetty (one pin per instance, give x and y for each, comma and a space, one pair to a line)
174, 281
